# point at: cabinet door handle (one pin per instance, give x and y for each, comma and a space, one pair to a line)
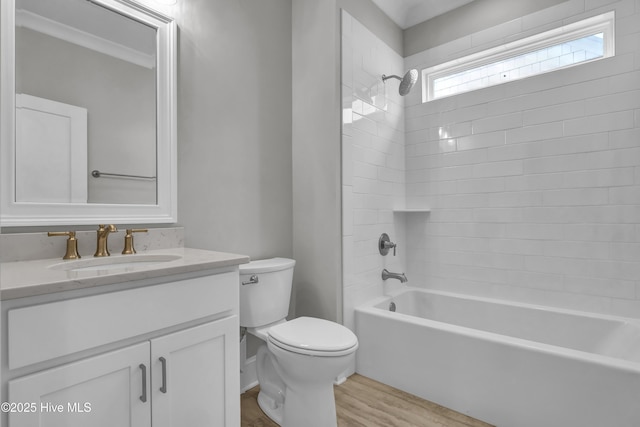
144, 382
163, 361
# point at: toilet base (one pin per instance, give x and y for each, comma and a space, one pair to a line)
312, 408
308, 403
315, 409
270, 407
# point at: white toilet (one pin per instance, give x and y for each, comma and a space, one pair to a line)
300, 358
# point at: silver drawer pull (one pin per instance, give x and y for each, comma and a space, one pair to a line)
253, 279
163, 361
144, 382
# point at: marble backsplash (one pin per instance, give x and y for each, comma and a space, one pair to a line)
31, 246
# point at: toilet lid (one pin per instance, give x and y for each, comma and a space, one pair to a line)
309, 334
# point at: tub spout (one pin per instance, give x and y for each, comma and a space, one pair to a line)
386, 274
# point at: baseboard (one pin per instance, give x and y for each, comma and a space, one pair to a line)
248, 375
342, 377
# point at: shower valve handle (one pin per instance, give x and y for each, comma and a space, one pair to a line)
390, 245
385, 243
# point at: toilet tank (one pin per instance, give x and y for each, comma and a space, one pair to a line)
265, 291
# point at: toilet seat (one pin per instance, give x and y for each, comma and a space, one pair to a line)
314, 337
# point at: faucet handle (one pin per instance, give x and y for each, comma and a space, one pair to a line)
128, 240
72, 243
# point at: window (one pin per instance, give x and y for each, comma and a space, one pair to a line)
577, 43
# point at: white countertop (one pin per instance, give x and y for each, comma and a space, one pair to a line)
29, 278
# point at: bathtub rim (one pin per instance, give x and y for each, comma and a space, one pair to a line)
370, 307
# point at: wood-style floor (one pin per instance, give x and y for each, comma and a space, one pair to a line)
363, 402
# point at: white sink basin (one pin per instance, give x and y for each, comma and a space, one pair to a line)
115, 263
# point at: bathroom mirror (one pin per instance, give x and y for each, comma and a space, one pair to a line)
88, 113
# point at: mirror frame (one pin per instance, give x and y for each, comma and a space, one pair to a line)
165, 210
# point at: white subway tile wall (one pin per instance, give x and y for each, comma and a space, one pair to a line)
373, 163
534, 185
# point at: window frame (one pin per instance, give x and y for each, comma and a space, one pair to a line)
604, 23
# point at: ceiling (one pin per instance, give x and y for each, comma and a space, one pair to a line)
407, 13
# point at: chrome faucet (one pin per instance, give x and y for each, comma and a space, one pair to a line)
386, 274
103, 236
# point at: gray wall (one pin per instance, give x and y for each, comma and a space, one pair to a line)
316, 159
259, 151
316, 148
234, 125
472, 17
236, 179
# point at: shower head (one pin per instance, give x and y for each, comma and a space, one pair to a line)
406, 82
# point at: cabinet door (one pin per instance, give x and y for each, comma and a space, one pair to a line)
196, 376
101, 391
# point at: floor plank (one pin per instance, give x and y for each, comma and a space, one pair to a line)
363, 402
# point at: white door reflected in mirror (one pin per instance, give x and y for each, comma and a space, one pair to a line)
51, 151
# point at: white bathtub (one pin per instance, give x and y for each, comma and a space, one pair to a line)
509, 364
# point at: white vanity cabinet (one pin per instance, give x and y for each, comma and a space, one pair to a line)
176, 380
161, 353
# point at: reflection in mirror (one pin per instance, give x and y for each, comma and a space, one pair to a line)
85, 79
87, 113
